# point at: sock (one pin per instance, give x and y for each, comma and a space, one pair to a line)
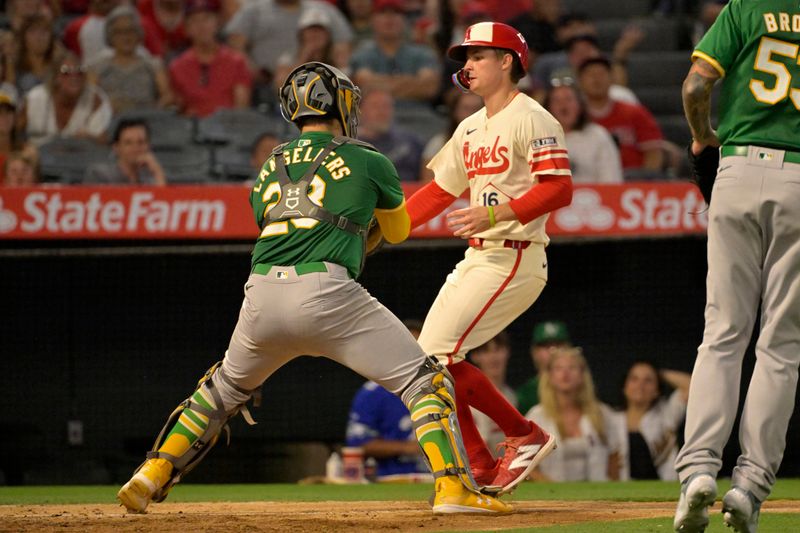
190, 426
481, 394
478, 452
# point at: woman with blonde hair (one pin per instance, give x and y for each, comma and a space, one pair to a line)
585, 428
68, 105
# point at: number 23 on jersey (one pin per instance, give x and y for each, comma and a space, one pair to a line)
271, 197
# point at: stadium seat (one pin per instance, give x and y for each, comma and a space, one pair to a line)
675, 128
424, 123
167, 128
185, 164
236, 126
662, 100
660, 35
65, 159
233, 163
657, 68
609, 8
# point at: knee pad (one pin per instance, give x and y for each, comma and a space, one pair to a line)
216, 420
430, 398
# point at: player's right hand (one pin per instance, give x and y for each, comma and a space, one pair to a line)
468, 221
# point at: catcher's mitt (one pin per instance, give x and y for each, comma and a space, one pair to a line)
375, 238
703, 167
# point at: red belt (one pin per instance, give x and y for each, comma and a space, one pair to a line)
516, 245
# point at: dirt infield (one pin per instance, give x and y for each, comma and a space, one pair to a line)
324, 516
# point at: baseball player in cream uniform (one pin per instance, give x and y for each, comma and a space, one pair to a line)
512, 156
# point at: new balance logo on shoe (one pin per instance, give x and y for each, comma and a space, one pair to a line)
525, 455
521, 456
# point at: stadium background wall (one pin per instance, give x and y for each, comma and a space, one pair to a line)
116, 340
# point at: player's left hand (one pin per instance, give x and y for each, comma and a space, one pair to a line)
374, 237
468, 221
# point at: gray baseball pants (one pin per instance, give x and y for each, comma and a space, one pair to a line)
753, 256
285, 315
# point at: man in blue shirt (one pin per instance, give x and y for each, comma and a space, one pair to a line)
411, 72
381, 425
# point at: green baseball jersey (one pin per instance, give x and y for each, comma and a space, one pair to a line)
755, 45
352, 181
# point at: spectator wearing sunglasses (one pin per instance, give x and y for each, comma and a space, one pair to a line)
67, 105
209, 75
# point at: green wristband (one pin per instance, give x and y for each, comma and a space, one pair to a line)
492, 220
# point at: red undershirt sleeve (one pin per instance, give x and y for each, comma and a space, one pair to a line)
551, 193
428, 202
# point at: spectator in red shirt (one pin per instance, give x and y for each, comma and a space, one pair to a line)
632, 125
165, 19
209, 75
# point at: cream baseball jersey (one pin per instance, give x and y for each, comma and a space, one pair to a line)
499, 159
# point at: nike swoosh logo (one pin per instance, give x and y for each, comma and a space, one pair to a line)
472, 130
248, 287
544, 265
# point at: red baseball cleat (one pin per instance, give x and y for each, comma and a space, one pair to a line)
521, 457
484, 477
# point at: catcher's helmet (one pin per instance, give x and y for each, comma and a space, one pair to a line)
493, 35
319, 90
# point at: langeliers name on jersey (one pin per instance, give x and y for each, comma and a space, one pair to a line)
334, 164
782, 22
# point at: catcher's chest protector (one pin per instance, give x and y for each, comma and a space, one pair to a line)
294, 201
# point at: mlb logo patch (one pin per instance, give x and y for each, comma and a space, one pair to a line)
544, 141
282, 274
764, 156
303, 142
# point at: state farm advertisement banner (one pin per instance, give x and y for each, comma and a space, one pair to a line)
632, 209
79, 212
223, 212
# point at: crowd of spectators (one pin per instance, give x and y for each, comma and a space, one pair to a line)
77, 67
633, 437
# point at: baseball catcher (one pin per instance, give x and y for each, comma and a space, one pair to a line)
314, 200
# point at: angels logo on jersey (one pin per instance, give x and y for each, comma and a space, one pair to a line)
484, 160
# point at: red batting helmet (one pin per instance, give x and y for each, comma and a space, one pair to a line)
492, 35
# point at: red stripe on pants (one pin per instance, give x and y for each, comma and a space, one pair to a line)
486, 307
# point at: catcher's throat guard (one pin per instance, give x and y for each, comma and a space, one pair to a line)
217, 422
433, 379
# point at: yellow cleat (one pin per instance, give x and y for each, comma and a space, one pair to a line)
452, 497
137, 493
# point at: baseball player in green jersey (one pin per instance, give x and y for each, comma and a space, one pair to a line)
753, 257
313, 201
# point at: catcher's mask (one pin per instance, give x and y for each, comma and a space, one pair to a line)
319, 90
